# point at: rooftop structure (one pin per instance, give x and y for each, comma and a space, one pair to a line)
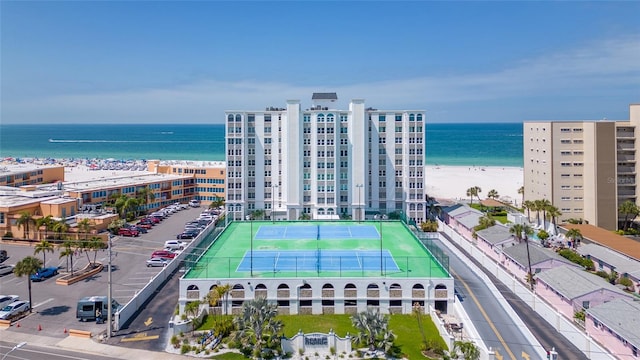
616, 320
384, 264
495, 234
571, 282
608, 239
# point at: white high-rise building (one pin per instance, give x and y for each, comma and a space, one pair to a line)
324, 163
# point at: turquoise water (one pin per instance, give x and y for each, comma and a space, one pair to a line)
447, 144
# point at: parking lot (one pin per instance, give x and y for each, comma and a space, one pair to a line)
54, 306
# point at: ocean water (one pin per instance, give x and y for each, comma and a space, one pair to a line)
447, 144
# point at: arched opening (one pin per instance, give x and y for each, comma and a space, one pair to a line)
193, 292
327, 299
283, 299
260, 291
350, 299
238, 118
441, 295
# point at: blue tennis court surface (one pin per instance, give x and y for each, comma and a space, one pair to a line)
322, 260
279, 232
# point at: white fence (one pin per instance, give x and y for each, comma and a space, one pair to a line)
564, 326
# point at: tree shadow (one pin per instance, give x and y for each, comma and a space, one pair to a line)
56, 310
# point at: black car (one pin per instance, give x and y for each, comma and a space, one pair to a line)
187, 234
141, 230
3, 255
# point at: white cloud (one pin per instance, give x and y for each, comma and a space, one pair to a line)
602, 68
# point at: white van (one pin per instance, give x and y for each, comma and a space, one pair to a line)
175, 245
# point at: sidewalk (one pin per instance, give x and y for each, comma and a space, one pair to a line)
86, 346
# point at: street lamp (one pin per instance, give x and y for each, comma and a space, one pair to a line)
18, 346
359, 186
273, 202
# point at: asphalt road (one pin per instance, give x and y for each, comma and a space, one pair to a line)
32, 351
498, 322
55, 305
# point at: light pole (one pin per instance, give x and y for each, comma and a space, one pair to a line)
18, 346
273, 202
109, 301
359, 186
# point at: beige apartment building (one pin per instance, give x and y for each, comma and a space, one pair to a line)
584, 168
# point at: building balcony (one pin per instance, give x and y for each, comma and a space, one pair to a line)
626, 158
625, 147
626, 193
626, 170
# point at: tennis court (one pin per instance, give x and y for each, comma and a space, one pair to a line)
319, 260
315, 249
324, 232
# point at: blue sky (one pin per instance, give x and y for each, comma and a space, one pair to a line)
188, 62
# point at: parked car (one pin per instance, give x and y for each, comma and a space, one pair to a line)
194, 203
166, 254
128, 232
175, 244
3, 255
181, 206
139, 229
6, 269
13, 309
7, 299
44, 273
144, 225
157, 262
151, 219
187, 234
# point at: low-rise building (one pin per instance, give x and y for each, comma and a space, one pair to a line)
608, 260
493, 240
16, 175
208, 177
615, 324
569, 289
516, 260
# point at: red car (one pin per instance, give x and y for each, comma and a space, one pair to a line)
163, 254
128, 232
144, 225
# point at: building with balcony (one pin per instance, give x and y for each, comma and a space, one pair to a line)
584, 168
325, 163
208, 183
29, 174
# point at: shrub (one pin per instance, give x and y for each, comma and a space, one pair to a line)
175, 341
579, 315
8, 235
603, 274
185, 349
625, 282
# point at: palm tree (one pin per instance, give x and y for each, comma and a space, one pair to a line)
191, 309
46, 221
522, 231
257, 328
146, 195
529, 205
630, 210
304, 216
471, 192
554, 213
28, 266
94, 244
521, 192
484, 222
493, 194
467, 349
216, 294
544, 206
537, 206
575, 235
60, 227
69, 250
477, 190
24, 221
373, 330
43, 246
217, 202
84, 226
258, 214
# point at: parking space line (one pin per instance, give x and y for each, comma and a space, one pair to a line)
42, 303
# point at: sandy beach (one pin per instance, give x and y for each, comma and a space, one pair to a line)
452, 182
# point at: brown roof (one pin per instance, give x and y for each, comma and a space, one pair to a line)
492, 203
608, 239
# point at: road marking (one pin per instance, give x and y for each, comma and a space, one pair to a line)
44, 302
140, 337
497, 355
150, 320
526, 356
486, 317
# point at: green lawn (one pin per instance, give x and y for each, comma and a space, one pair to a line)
404, 326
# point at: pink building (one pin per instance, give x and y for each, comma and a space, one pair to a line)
570, 289
514, 259
616, 325
610, 260
492, 241
462, 219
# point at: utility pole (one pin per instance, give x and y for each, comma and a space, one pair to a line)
109, 301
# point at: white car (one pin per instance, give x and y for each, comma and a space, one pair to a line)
7, 299
194, 203
13, 309
6, 269
157, 261
175, 245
